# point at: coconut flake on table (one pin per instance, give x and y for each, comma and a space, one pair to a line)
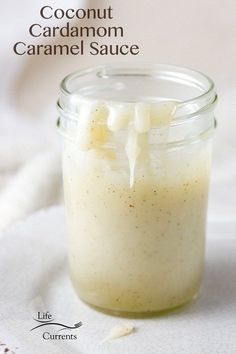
118, 331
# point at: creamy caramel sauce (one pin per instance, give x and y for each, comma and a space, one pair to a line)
136, 216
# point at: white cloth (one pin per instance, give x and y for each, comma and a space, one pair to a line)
30, 168
34, 277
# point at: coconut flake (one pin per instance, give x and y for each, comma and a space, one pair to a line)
119, 331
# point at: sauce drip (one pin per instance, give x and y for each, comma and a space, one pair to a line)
97, 120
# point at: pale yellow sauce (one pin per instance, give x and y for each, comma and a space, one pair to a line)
136, 216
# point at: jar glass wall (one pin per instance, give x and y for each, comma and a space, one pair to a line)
136, 165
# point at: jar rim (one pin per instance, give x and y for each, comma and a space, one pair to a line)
185, 108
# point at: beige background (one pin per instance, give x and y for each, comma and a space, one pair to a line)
198, 34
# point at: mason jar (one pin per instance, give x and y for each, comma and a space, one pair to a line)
136, 166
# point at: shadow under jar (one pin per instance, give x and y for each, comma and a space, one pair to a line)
136, 164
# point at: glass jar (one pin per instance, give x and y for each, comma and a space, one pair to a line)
136, 164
